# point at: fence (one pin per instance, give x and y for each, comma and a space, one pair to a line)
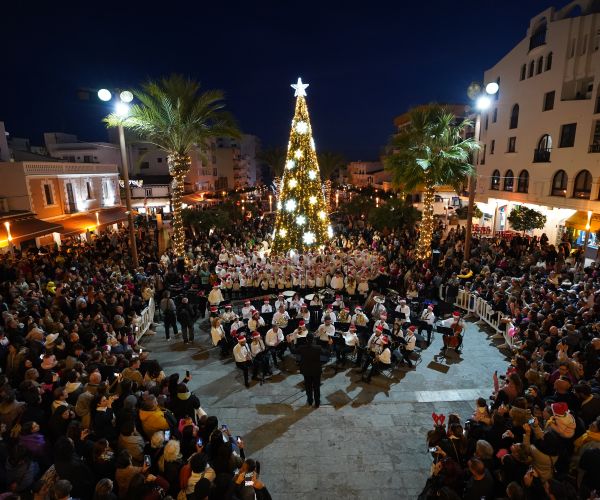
146, 319
476, 305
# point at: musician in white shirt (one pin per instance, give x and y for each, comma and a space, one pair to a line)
217, 334
304, 314
247, 310
381, 360
326, 331
275, 344
381, 321
427, 317
338, 302
243, 357
359, 318
281, 317
350, 342
403, 309
215, 297
298, 336
378, 308
406, 349
259, 356
281, 302
228, 316
255, 322
266, 307
329, 312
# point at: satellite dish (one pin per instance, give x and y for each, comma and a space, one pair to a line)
473, 90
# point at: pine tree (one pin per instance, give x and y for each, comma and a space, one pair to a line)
302, 221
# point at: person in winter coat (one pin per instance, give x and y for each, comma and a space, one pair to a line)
169, 465
70, 467
184, 403
35, 442
152, 417
21, 470
185, 316
133, 442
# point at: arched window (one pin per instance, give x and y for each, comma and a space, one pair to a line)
549, 62
544, 148
495, 186
559, 184
539, 35
514, 117
509, 180
523, 182
545, 142
540, 65
583, 185
531, 69
523, 71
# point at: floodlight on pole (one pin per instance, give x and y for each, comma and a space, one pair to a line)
492, 88
483, 102
104, 95
126, 96
122, 109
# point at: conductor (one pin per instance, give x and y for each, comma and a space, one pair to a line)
310, 367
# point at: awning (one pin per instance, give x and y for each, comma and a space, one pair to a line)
26, 229
88, 222
579, 221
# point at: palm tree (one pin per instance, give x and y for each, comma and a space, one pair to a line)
274, 158
328, 163
431, 151
174, 115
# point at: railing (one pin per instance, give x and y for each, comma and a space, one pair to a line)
146, 319
476, 305
541, 155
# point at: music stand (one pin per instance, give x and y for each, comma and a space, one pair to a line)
445, 330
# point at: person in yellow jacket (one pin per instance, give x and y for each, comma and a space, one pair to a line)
465, 272
152, 417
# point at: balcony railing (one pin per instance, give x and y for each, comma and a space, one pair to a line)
594, 148
541, 155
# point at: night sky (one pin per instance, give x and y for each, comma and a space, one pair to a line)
365, 64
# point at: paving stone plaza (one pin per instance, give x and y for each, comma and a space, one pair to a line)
365, 441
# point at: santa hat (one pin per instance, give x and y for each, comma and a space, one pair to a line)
412, 328
216, 285
430, 307
456, 314
384, 339
241, 338
301, 322
330, 306
352, 328
247, 302
280, 295
379, 328
304, 305
382, 269
266, 301
347, 309
227, 306
255, 335
213, 309
563, 422
338, 297
358, 308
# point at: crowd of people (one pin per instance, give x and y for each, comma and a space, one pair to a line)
85, 412
537, 435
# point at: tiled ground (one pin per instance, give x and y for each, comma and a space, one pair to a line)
365, 441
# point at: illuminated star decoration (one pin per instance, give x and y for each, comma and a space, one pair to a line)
300, 88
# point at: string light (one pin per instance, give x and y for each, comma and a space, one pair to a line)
179, 166
301, 208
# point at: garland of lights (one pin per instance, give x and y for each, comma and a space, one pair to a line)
302, 220
179, 166
423, 251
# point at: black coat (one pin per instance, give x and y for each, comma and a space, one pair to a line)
310, 359
185, 315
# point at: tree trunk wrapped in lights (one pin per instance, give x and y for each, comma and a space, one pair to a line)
302, 220
426, 227
179, 166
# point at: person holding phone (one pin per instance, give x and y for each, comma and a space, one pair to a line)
248, 476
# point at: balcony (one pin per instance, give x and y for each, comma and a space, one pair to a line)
541, 155
594, 148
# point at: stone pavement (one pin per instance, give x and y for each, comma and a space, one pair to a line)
365, 441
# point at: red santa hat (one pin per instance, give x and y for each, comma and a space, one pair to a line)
412, 328
338, 297
247, 302
358, 308
379, 328
430, 307
456, 314
213, 309
384, 339
266, 301
352, 328
347, 309
304, 305
241, 338
301, 322
227, 306
255, 335
280, 295
329, 306
216, 285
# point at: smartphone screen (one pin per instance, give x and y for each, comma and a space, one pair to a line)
199, 442
187, 373
147, 460
167, 435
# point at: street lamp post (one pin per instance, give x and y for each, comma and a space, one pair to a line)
122, 110
482, 102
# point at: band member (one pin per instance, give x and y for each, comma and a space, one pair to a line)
217, 334
329, 312
215, 297
259, 356
326, 331
237, 326
255, 322
407, 346
214, 312
457, 325
266, 307
296, 303
350, 342
428, 318
298, 336
228, 315
403, 308
275, 344
310, 367
304, 313
338, 303
316, 300
337, 283
372, 348
381, 360
243, 357
378, 308
344, 316
281, 302
247, 310
359, 318
382, 321
281, 317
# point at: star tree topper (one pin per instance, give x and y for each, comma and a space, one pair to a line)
299, 87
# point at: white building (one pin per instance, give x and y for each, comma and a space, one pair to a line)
541, 136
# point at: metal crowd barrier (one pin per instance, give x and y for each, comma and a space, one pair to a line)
476, 305
146, 319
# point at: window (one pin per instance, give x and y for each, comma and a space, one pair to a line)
88, 186
523, 182
523, 71
539, 35
148, 192
497, 94
514, 117
548, 101
495, 186
567, 135
145, 164
572, 51
88, 159
495, 115
549, 62
559, 184
509, 180
104, 189
48, 194
540, 65
583, 45
583, 185
482, 162
531, 69
512, 144
487, 121
492, 146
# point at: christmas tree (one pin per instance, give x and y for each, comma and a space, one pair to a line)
302, 221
